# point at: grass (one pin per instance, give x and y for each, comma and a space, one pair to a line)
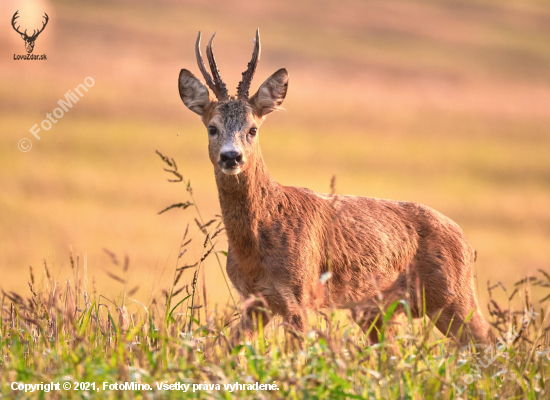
438, 102
176, 345
69, 332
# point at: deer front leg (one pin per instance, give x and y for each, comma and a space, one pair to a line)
254, 315
292, 307
298, 322
296, 328
244, 329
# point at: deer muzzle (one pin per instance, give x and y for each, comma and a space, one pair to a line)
231, 162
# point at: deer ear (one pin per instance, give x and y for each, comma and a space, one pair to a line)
193, 92
271, 94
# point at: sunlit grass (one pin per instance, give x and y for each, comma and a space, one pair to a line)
66, 331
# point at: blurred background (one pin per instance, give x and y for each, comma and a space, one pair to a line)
445, 103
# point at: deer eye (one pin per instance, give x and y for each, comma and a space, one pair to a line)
212, 130
253, 131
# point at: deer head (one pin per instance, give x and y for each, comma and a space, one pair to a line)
232, 121
29, 40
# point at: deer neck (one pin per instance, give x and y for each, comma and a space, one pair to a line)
246, 200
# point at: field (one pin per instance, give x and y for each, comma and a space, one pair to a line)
57, 344
446, 103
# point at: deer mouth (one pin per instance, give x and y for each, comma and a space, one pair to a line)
232, 170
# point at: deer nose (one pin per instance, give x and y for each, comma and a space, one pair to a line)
230, 159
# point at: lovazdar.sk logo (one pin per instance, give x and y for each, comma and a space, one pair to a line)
29, 40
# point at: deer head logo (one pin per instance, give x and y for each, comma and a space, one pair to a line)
29, 40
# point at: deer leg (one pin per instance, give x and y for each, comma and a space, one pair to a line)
253, 315
452, 312
298, 322
292, 308
375, 331
368, 316
445, 285
295, 318
452, 319
372, 323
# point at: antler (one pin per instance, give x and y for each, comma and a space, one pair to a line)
215, 84
220, 85
244, 84
15, 16
34, 35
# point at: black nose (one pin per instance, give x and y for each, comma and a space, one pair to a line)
230, 159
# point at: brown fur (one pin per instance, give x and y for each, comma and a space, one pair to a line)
282, 239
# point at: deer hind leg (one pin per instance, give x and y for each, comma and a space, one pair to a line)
450, 314
368, 312
370, 319
452, 319
450, 302
370, 323
429, 292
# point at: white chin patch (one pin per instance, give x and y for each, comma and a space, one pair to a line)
231, 171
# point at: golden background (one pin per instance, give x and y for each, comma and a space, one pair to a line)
446, 103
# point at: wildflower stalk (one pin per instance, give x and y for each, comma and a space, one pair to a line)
212, 244
179, 178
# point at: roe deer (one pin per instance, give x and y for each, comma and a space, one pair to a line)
282, 239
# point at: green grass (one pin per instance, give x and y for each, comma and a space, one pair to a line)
56, 335
438, 102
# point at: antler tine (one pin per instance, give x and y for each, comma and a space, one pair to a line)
43, 26
244, 84
45, 23
205, 74
15, 16
218, 82
202, 67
